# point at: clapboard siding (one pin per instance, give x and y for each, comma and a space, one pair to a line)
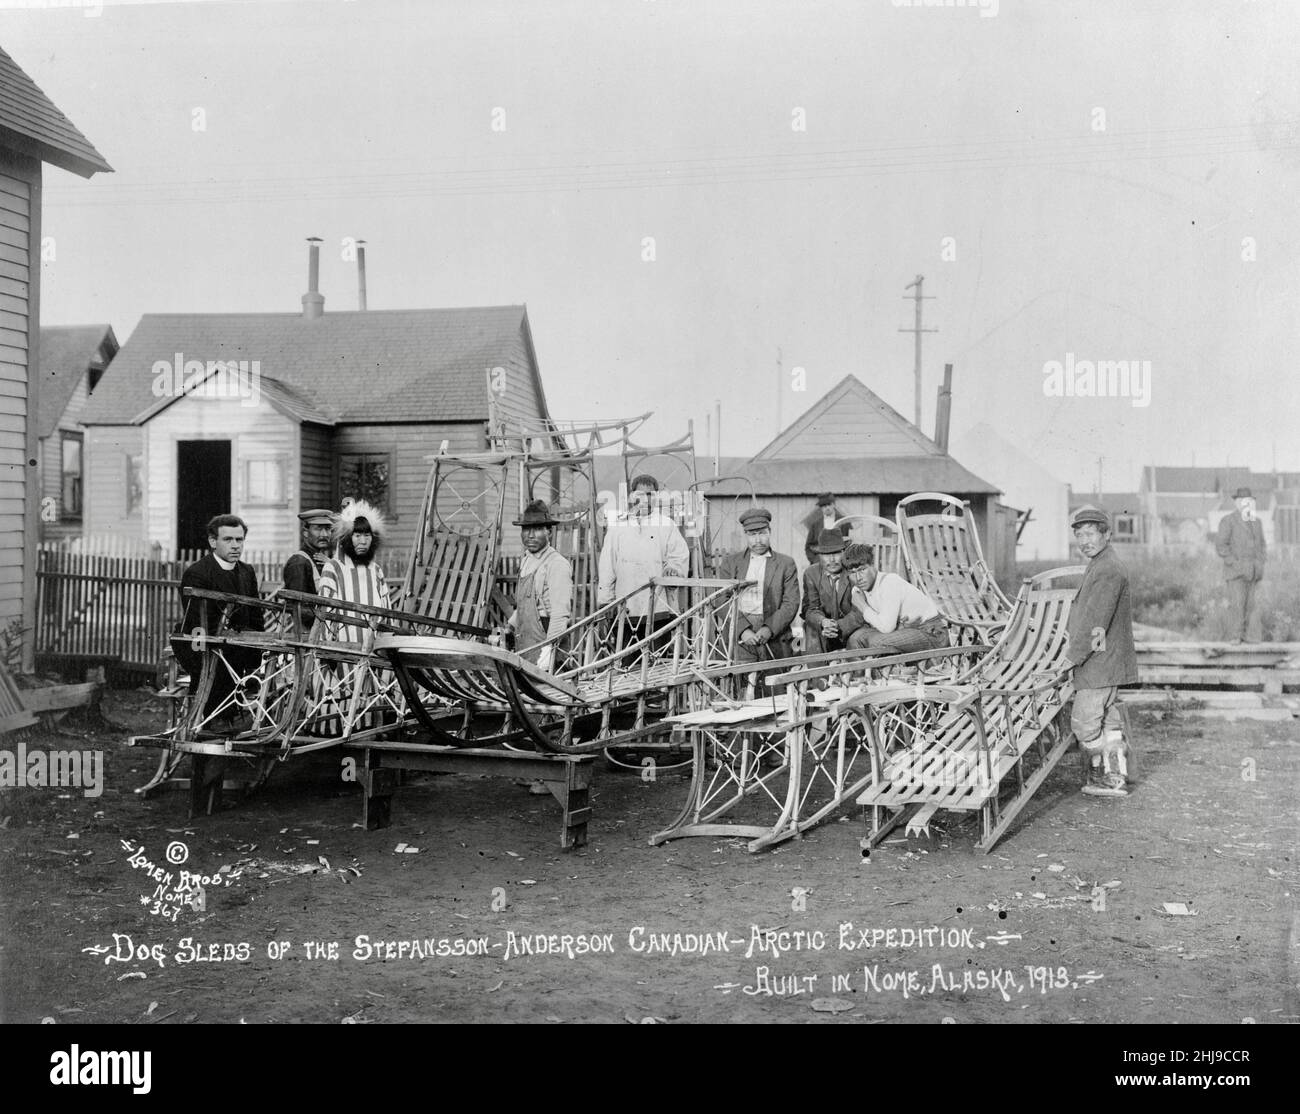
317, 468
258, 431
108, 452
19, 228
408, 445
788, 530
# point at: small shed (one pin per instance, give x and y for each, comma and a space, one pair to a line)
265, 414
73, 358
860, 449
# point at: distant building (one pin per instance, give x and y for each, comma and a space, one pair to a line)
32, 132
1181, 507
856, 446
73, 358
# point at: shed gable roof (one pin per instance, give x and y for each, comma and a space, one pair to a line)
850, 420
30, 123
376, 366
901, 475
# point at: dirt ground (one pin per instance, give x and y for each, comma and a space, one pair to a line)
1064, 921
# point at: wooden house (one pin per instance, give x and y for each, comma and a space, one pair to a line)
73, 358
264, 414
32, 132
854, 445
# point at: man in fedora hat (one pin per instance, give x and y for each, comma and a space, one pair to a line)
819, 519
544, 595
1240, 543
1102, 655
302, 570
769, 605
829, 616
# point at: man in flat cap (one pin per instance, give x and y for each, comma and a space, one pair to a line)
640, 545
302, 570
821, 518
897, 615
1240, 543
769, 605
1102, 655
544, 596
829, 617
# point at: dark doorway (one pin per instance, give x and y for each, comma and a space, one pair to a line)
202, 489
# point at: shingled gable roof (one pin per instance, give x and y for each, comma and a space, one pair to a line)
376, 366
30, 123
885, 420
898, 475
66, 354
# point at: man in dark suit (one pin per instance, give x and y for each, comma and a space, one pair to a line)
1101, 651
829, 616
768, 607
219, 571
1240, 543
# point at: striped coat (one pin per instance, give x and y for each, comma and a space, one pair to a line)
342, 579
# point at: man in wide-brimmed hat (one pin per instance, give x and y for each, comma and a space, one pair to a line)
1240, 543
770, 604
544, 595
1102, 655
829, 616
302, 570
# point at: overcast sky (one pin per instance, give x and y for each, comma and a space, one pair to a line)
679, 189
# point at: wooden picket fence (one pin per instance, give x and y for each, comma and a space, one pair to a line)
116, 607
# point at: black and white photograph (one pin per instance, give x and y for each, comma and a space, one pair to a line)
656, 512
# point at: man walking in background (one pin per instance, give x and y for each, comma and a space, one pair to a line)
1240, 543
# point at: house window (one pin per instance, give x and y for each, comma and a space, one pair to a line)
134, 481
366, 476
264, 481
1124, 527
70, 491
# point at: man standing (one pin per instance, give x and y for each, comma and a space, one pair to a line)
769, 605
898, 616
1241, 545
544, 595
829, 617
220, 570
302, 570
639, 546
821, 519
1102, 655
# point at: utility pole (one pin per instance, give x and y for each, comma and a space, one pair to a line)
919, 298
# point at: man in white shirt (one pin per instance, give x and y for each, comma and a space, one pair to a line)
899, 616
639, 546
769, 605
